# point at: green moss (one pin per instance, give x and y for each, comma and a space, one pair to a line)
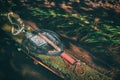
57, 64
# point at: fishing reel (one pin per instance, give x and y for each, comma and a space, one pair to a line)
37, 44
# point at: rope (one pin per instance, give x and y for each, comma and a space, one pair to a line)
79, 69
18, 29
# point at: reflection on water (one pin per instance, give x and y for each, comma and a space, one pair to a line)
16, 65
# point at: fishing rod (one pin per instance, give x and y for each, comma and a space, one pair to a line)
42, 41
